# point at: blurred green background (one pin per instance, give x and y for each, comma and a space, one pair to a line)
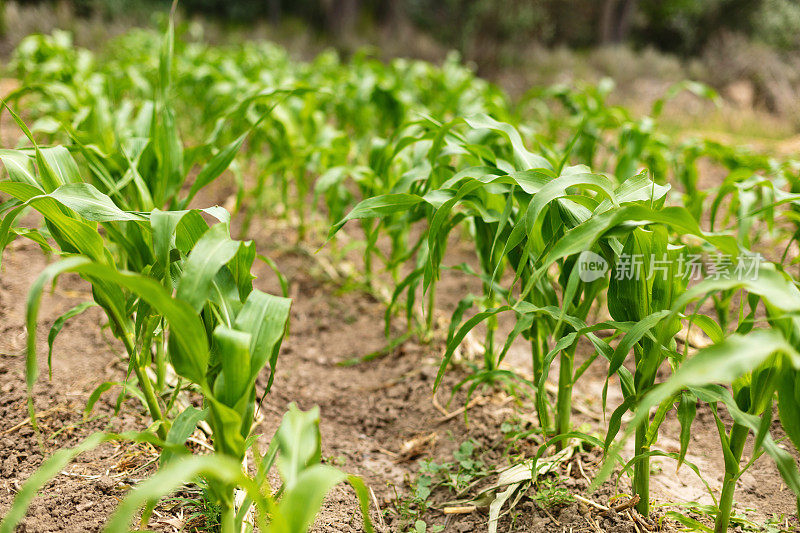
678, 26
747, 49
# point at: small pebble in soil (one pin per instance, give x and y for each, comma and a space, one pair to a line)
568, 514
105, 484
84, 506
9, 465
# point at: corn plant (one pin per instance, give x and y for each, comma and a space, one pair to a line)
640, 303
743, 373
636, 298
217, 332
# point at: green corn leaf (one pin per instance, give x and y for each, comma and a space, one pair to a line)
300, 504
182, 428
615, 421
227, 425
240, 266
456, 340
526, 159
718, 364
127, 388
687, 410
725, 362
215, 167
558, 188
670, 455
60, 164
73, 235
48, 177
169, 152
378, 206
53, 465
31, 316
234, 352
709, 327
266, 318
770, 285
219, 468
638, 188
582, 237
691, 523
164, 225
19, 167
35, 236
188, 345
632, 337
284, 283
21, 190
298, 443
90, 203
211, 252
789, 404
786, 464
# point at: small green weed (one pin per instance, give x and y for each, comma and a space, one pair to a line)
421, 527
458, 474
202, 513
455, 475
549, 493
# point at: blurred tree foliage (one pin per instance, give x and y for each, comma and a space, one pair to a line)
472, 26
778, 24
685, 26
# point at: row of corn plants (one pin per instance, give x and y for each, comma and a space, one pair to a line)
540, 219
178, 295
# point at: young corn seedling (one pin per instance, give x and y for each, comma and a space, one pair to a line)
757, 364
219, 332
546, 217
638, 296
639, 304
768, 372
